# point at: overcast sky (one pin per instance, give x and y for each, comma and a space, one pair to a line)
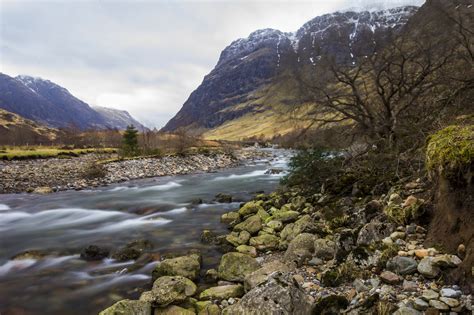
142, 56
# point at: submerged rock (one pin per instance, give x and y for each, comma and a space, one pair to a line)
94, 252
132, 250
186, 266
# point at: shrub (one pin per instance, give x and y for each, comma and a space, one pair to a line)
94, 170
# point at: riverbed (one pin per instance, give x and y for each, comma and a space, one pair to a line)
165, 211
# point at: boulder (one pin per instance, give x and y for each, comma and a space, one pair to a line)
427, 268
94, 252
250, 207
290, 231
261, 275
236, 266
331, 304
223, 292
263, 214
275, 225
374, 232
186, 266
223, 198
324, 249
280, 294
128, 307
285, 216
238, 238
169, 289
245, 249
265, 242
173, 310
132, 250
209, 237
230, 218
300, 249
402, 265
43, 190
446, 260
252, 225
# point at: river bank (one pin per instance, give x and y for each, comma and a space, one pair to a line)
77, 173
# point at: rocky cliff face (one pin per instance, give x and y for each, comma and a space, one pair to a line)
235, 86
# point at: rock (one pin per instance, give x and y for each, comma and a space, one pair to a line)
236, 266
427, 268
186, 266
395, 199
32, 254
402, 265
93, 252
223, 198
420, 304
128, 307
397, 235
430, 295
291, 230
252, 225
446, 261
265, 242
245, 249
461, 251
211, 275
331, 304
404, 310
132, 250
280, 294
450, 293
286, 216
449, 301
374, 232
275, 225
169, 289
345, 242
409, 286
211, 309
360, 286
439, 305
421, 253
261, 275
301, 248
172, 310
222, 292
209, 237
230, 218
324, 249
389, 277
372, 208
250, 207
263, 215
43, 190
237, 239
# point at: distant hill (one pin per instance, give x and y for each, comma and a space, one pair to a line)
15, 129
118, 119
48, 103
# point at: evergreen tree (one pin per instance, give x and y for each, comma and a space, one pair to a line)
130, 140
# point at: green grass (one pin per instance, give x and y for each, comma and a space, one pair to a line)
26, 153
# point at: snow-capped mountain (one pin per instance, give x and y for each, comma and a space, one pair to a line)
118, 119
248, 65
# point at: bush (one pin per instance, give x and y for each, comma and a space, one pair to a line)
94, 170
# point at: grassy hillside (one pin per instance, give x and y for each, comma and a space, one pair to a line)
15, 129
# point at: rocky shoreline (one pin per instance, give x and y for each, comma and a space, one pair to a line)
59, 174
285, 255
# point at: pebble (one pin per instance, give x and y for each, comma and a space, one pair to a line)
420, 304
430, 295
389, 277
450, 293
439, 305
450, 302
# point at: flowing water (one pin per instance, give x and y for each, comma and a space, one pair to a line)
160, 210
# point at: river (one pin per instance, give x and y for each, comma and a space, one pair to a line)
160, 210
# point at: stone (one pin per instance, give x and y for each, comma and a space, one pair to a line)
209, 237
291, 230
372, 208
128, 307
230, 218
450, 293
265, 242
280, 294
223, 198
186, 266
285, 216
172, 310
43, 190
404, 310
301, 248
331, 304
169, 289
324, 249
402, 265
397, 235
461, 250
252, 224
238, 238
430, 295
245, 249
262, 274
211, 275
439, 305
132, 250
395, 199
250, 207
410, 286
420, 304
211, 309
222, 292
421, 253
275, 225
360, 286
449, 301
236, 266
94, 252
446, 260
263, 214
374, 232
389, 277
427, 268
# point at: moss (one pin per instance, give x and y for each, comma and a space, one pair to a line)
450, 150
404, 215
344, 273
388, 251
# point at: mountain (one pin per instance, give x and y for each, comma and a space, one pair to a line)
118, 119
254, 77
15, 129
48, 103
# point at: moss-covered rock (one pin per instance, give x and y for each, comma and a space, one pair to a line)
263, 214
128, 307
186, 266
275, 225
167, 290
331, 304
236, 266
251, 207
223, 292
406, 212
300, 249
261, 275
248, 250
450, 151
173, 310
252, 224
290, 231
238, 238
231, 218
265, 242
285, 216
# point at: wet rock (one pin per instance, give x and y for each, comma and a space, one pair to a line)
169, 289
43, 190
94, 252
300, 249
222, 292
30, 254
236, 266
275, 225
427, 268
132, 250
252, 225
280, 294
245, 249
186, 266
236, 238
128, 307
389, 277
172, 310
285, 216
324, 249
230, 218
223, 198
374, 232
209, 237
262, 275
265, 242
331, 304
250, 207
402, 265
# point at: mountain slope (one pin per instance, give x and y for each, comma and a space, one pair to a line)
255, 76
15, 129
117, 119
